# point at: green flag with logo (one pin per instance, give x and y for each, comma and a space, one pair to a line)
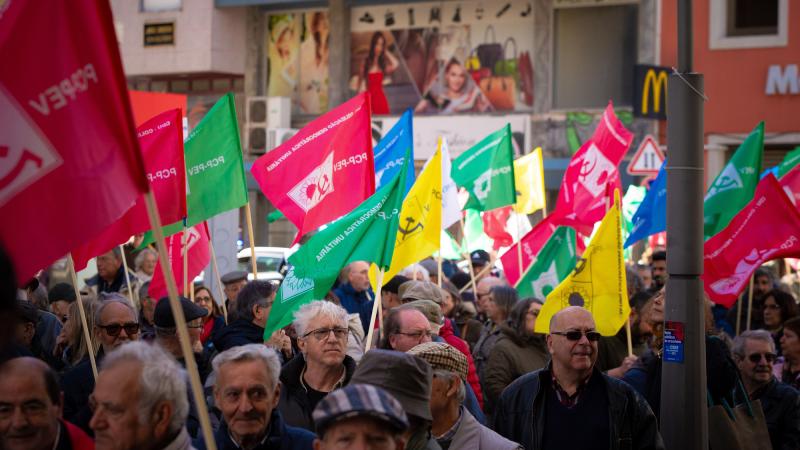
487, 171
361, 235
553, 264
789, 162
214, 167
734, 186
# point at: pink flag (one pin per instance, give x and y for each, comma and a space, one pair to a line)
766, 228
589, 181
161, 143
495, 224
531, 244
69, 160
198, 258
325, 170
790, 182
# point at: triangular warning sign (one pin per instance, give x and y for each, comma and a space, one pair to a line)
647, 159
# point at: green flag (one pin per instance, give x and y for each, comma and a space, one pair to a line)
552, 265
361, 235
487, 171
734, 186
630, 203
789, 162
214, 167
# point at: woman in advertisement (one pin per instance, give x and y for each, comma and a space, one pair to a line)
283, 55
314, 64
454, 92
376, 71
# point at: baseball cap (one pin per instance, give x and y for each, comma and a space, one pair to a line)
359, 400
480, 257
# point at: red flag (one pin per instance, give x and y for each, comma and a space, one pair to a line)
766, 228
198, 258
531, 244
325, 170
589, 181
69, 163
161, 143
495, 225
791, 184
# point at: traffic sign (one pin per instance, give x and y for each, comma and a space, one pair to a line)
647, 159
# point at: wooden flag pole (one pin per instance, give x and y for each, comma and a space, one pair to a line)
439, 268
469, 258
628, 334
215, 270
380, 322
750, 302
483, 271
738, 315
191, 291
180, 321
185, 256
134, 303
375, 306
85, 325
251, 237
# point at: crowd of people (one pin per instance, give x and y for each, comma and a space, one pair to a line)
454, 364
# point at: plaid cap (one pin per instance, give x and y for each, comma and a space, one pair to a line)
359, 400
442, 356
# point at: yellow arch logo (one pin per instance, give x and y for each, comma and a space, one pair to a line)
653, 79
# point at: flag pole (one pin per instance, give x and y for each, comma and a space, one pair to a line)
191, 291
135, 304
375, 306
185, 256
469, 259
628, 334
483, 271
180, 321
215, 270
544, 188
251, 237
750, 302
84, 323
439, 267
738, 315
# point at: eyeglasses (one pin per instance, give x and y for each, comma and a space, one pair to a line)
773, 307
203, 299
323, 333
576, 335
417, 334
114, 329
755, 358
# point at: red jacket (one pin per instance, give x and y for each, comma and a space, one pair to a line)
77, 438
446, 333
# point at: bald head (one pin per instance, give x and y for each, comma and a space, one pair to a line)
571, 317
358, 275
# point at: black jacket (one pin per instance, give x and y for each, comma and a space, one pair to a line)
519, 414
239, 332
295, 404
279, 437
77, 384
781, 404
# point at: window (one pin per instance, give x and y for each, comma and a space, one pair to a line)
160, 5
594, 53
748, 23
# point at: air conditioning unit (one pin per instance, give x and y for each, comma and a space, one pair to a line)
255, 125
277, 136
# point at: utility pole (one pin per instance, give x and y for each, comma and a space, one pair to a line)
684, 411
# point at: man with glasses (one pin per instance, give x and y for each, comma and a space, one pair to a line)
405, 328
115, 323
754, 352
322, 364
253, 305
570, 403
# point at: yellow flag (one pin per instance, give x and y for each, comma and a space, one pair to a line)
419, 231
598, 281
529, 182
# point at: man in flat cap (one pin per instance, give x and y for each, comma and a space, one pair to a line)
60, 297
233, 282
453, 426
357, 416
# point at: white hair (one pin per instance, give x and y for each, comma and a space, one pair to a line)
408, 272
251, 352
107, 298
137, 263
756, 335
162, 379
309, 311
448, 375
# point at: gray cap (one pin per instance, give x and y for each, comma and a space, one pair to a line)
359, 400
422, 290
431, 310
406, 377
232, 277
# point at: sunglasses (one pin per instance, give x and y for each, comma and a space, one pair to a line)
576, 335
114, 329
755, 358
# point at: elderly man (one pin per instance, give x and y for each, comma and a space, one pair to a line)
247, 393
233, 282
542, 410
453, 425
111, 274
30, 409
167, 332
754, 352
355, 293
322, 364
360, 417
405, 328
60, 297
140, 401
115, 323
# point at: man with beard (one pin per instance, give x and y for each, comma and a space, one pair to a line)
543, 409
658, 267
612, 356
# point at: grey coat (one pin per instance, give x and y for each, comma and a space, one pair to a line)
471, 435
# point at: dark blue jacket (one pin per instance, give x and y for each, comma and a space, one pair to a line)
356, 302
239, 332
781, 405
77, 384
279, 437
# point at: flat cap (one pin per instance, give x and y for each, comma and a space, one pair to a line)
359, 400
430, 309
442, 356
423, 290
406, 377
233, 277
61, 291
162, 316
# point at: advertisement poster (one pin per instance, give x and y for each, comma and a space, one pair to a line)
444, 58
297, 60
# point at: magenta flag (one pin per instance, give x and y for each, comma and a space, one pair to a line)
161, 144
325, 170
767, 228
198, 258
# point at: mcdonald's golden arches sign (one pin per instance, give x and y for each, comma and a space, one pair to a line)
650, 95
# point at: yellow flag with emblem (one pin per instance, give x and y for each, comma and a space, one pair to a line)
598, 281
419, 231
529, 182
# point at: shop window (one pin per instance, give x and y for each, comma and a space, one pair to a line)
595, 51
748, 23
